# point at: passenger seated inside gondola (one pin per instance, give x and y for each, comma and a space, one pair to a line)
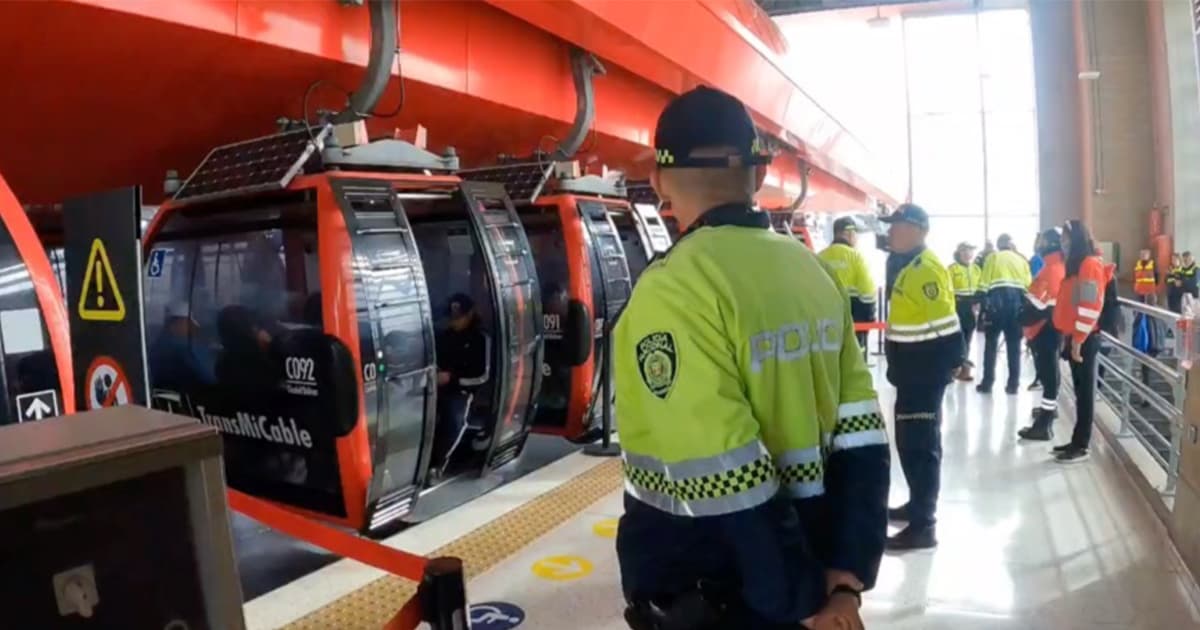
246, 359
463, 355
179, 361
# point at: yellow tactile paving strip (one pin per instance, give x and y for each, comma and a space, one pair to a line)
371, 606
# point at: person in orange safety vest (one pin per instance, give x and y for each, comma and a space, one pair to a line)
1044, 339
1077, 314
1145, 278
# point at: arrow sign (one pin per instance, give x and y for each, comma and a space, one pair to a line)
37, 405
562, 568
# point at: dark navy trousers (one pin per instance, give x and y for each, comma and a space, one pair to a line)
919, 442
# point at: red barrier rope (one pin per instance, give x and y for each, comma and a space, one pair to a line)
869, 326
408, 617
342, 543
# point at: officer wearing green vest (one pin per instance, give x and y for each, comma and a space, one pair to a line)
924, 347
756, 459
850, 268
1003, 283
964, 275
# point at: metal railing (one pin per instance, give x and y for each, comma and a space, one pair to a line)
1147, 389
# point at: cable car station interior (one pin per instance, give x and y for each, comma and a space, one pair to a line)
316, 314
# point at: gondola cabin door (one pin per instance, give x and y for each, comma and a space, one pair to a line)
585, 284
644, 236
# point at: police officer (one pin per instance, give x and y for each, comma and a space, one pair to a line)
924, 346
756, 460
1187, 276
964, 276
1175, 284
850, 268
1004, 281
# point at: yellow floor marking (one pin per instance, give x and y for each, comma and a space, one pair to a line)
371, 606
562, 568
606, 528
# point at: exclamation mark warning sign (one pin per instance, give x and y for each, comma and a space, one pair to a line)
100, 299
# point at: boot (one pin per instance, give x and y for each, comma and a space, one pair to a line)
912, 538
963, 373
1042, 429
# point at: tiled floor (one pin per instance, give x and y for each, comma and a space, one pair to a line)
1025, 543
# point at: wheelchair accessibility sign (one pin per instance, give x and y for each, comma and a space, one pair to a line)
496, 616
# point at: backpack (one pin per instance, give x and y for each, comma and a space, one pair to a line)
1112, 320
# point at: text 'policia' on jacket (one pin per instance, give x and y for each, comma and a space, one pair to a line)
924, 339
732, 386
850, 268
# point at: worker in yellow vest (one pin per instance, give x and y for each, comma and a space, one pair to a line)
850, 267
924, 347
1145, 278
965, 275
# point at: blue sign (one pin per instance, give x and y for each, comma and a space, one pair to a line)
495, 616
157, 258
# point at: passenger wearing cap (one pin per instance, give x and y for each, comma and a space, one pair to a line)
924, 347
1037, 312
964, 275
850, 268
178, 359
756, 460
463, 353
1004, 283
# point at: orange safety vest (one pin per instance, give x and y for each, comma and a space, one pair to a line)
1144, 280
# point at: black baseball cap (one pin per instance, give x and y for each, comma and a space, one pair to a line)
909, 213
706, 118
845, 223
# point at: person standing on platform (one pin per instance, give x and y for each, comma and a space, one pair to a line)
1145, 278
988, 249
851, 270
1174, 284
1035, 261
1187, 275
924, 347
756, 459
1004, 281
964, 275
1044, 338
1078, 314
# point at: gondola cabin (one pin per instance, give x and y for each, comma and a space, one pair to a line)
36, 381
585, 281
362, 324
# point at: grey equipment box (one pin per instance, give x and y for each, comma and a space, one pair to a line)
115, 519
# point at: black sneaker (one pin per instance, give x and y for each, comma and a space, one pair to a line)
912, 538
899, 514
1072, 456
1034, 385
1062, 448
983, 389
1036, 434
1011, 390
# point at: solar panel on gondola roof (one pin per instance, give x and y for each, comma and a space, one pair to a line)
522, 181
259, 164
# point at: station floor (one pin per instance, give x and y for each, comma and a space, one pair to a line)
1025, 544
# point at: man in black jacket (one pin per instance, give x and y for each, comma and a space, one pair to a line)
463, 353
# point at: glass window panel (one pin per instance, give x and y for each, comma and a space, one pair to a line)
948, 163
1012, 162
943, 64
1006, 60
945, 233
1023, 230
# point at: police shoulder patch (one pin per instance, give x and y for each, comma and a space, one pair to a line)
657, 361
931, 290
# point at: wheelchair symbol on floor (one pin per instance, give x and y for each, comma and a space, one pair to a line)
496, 616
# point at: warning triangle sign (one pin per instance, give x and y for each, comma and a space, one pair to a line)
100, 299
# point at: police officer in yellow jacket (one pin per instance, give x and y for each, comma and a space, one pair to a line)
851, 270
924, 346
1005, 278
756, 460
964, 275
